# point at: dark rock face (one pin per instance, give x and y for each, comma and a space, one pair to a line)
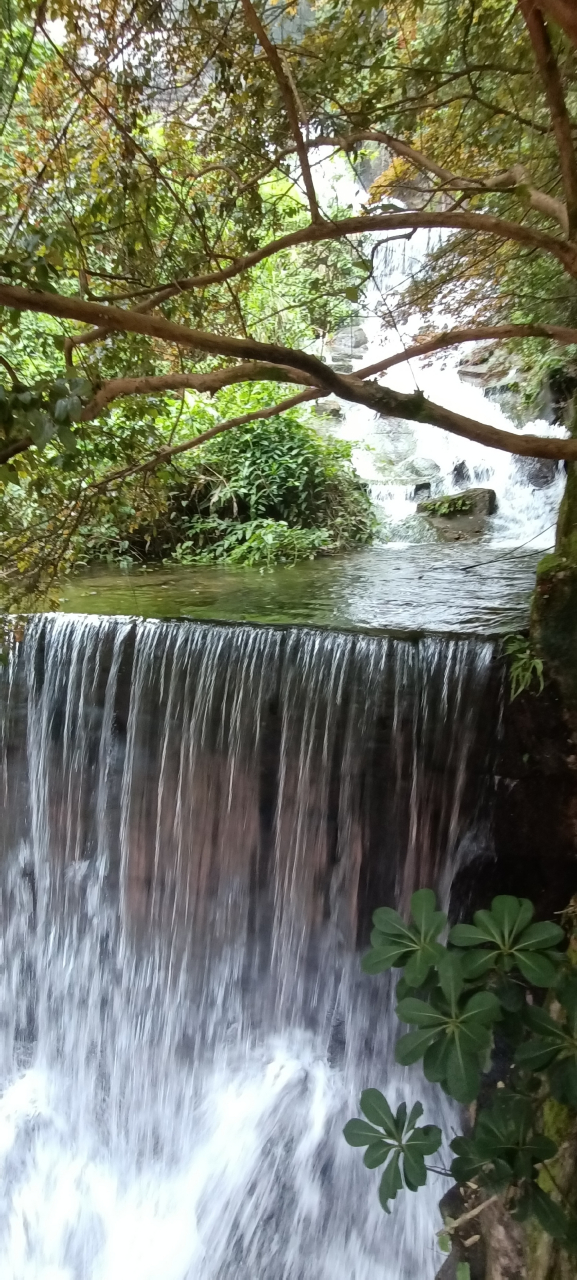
535, 811
538, 472
461, 474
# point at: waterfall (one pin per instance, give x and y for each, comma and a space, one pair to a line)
199, 821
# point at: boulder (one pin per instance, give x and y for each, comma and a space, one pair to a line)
329, 407
459, 516
537, 472
461, 474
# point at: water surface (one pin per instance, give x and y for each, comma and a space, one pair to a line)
458, 590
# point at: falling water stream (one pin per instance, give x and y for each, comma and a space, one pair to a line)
198, 821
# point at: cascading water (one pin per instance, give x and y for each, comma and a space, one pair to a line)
199, 821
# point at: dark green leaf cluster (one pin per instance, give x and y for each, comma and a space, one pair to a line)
456, 997
43, 411
394, 1140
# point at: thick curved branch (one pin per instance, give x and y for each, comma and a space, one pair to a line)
409, 220
352, 388
480, 333
153, 384
564, 13
560, 120
514, 178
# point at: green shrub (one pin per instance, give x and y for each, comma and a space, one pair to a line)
491, 976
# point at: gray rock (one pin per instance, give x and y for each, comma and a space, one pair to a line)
461, 525
329, 407
461, 474
538, 472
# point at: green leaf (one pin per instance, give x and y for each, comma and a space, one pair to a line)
463, 1079
419, 1012
427, 1140
414, 1168
418, 967
382, 958
489, 927
376, 1154
540, 937
428, 920
359, 1134
61, 409
466, 935
512, 914
463, 1271
444, 1242
536, 968
377, 1110
476, 963
484, 1007
415, 1114
412, 1046
435, 1059
451, 977
391, 1181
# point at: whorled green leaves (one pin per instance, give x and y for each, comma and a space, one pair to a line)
455, 998
454, 1031
412, 947
395, 1141
504, 1146
504, 939
552, 1047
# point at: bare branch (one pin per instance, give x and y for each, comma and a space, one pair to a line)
290, 99
514, 178
480, 333
151, 384
549, 70
412, 219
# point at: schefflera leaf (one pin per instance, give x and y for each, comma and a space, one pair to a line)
413, 946
454, 1031
505, 938
394, 1140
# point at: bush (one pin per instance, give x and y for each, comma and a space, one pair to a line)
270, 492
487, 984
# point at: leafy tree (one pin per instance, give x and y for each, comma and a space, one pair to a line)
473, 1002
163, 227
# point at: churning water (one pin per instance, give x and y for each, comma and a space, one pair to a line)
198, 822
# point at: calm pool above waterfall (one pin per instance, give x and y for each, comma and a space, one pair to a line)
456, 590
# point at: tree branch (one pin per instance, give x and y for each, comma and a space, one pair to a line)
481, 333
290, 100
151, 384
459, 220
549, 71
164, 455
382, 400
564, 13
